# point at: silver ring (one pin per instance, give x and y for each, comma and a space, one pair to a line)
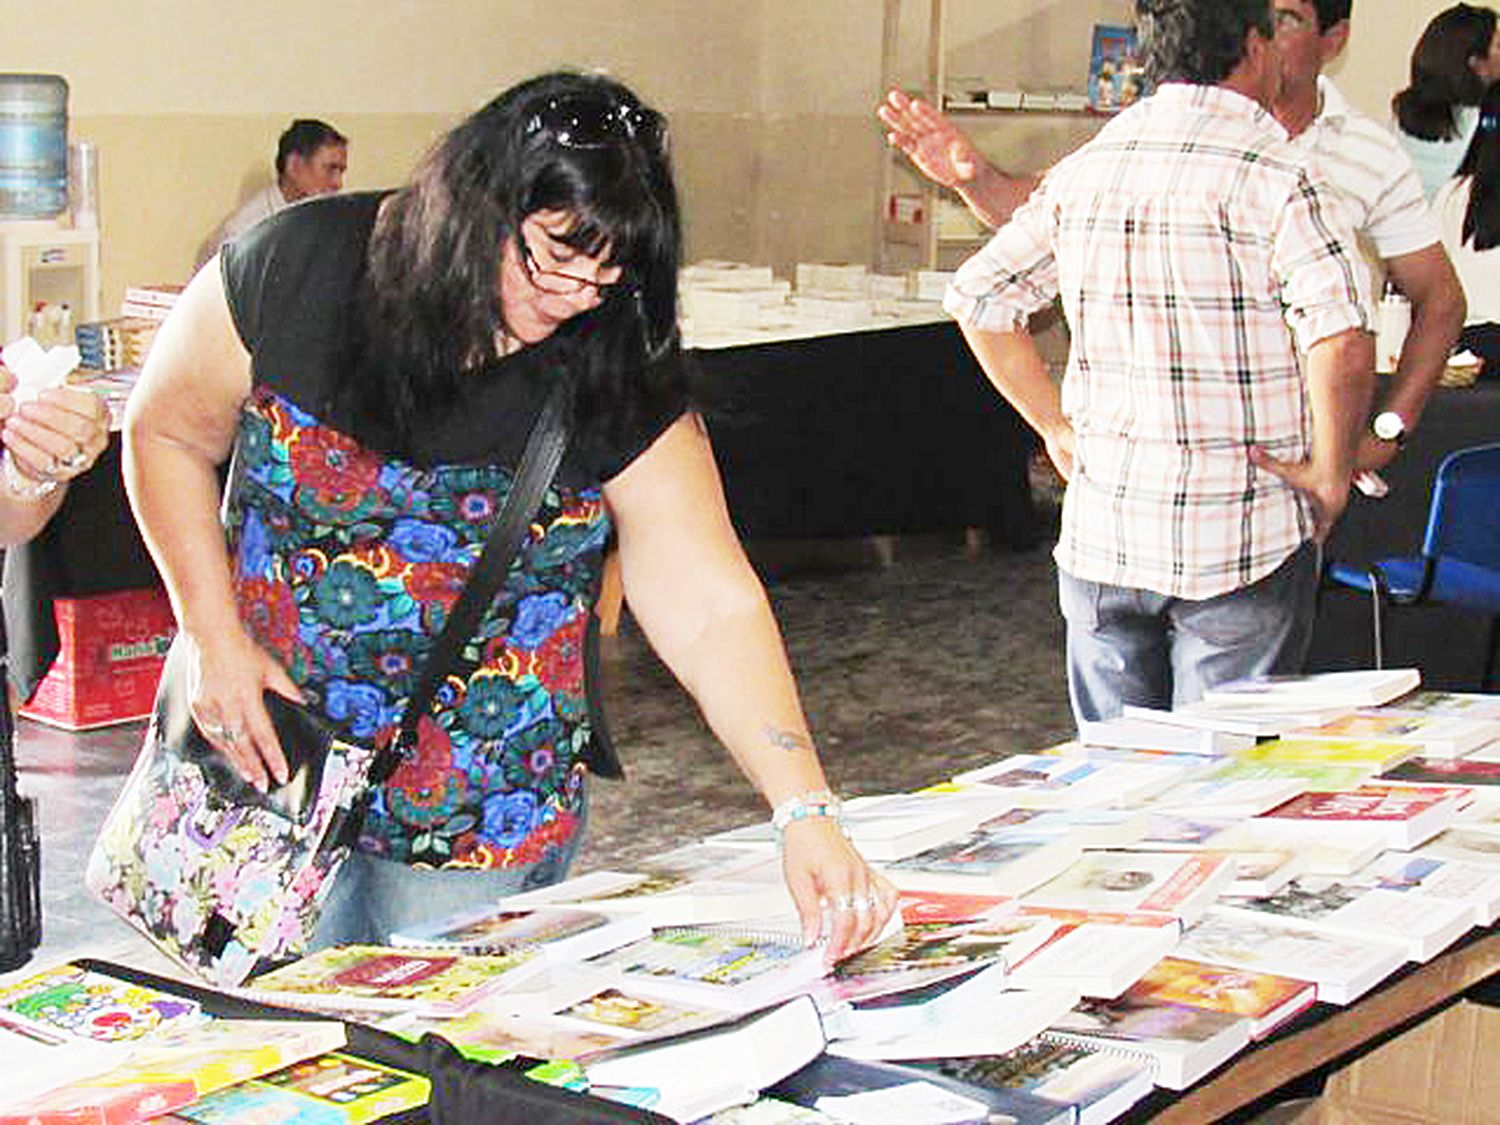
79, 459
866, 904
217, 730
844, 903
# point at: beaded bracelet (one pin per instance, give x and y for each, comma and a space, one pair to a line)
18, 485
820, 802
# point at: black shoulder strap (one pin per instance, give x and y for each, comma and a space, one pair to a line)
539, 462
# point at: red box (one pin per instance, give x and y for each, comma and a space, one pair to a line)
110, 653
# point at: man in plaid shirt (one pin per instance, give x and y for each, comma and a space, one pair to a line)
1194, 257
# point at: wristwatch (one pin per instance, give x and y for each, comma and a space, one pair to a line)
1389, 426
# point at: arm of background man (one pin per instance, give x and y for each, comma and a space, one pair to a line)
1340, 384
1428, 279
942, 152
1013, 364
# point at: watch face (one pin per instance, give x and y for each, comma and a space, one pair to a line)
1388, 426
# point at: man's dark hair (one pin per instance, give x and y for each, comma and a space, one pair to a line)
1441, 77
1331, 12
304, 137
1481, 164
1198, 41
432, 307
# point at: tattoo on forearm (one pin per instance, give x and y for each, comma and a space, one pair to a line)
788, 740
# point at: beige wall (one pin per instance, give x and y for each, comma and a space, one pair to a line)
778, 155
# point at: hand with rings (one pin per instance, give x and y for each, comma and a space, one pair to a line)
221, 733
53, 438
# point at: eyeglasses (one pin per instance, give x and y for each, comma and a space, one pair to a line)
597, 121
560, 283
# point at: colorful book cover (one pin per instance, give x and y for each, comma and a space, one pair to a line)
1097, 1082
332, 1088
1449, 704
86, 1003
1414, 812
1373, 754
385, 978
1436, 735
1258, 997
932, 951
1116, 77
1444, 771
1185, 1042
918, 906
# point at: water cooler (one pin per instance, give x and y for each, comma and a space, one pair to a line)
41, 260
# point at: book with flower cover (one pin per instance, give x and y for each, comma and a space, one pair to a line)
1435, 736
1176, 884
1401, 816
1343, 968
331, 1089
732, 967
1185, 1043
557, 934
376, 978
1264, 1000
94, 1005
1350, 907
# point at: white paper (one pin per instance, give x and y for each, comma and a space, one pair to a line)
901, 1105
37, 368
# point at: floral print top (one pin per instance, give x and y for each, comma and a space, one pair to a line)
346, 562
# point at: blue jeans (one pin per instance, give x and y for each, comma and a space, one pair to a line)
373, 897
1135, 646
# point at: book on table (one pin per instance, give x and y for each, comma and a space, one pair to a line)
1185, 1043
1176, 884
1263, 1000
1401, 816
1000, 859
732, 967
1371, 754
1227, 796
1251, 720
39, 1057
1350, 907
1462, 843
853, 1090
1363, 687
1443, 771
1435, 736
1261, 839
1136, 732
943, 906
979, 1017
556, 934
699, 1073
329, 1089
1425, 873
94, 1005
1448, 704
380, 978
671, 898
925, 953
1097, 1083
1342, 968
1044, 781
1322, 776
172, 1068
1099, 955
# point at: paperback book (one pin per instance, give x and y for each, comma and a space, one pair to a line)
1435, 736
93, 1005
1261, 840
1449, 704
39, 1057
1228, 797
1263, 1000
1365, 687
994, 859
1443, 771
332, 1088
1098, 958
1133, 732
1176, 884
1401, 816
1370, 754
556, 934
1342, 968
1184, 1043
1425, 872
378, 978
1043, 781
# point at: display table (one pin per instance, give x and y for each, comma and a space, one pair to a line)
1444, 643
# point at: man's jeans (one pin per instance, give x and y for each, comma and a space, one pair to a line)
1135, 646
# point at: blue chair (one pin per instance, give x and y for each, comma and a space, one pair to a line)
1460, 560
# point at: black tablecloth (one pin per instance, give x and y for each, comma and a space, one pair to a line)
1447, 644
859, 433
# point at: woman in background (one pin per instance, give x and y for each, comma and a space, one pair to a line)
1454, 62
1468, 212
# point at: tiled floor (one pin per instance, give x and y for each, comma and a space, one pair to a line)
943, 659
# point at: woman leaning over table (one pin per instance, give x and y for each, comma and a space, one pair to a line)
48, 440
375, 362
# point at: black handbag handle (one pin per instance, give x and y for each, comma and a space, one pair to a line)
544, 451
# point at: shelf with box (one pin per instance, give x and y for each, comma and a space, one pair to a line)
43, 262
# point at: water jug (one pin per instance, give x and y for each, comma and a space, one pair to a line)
33, 145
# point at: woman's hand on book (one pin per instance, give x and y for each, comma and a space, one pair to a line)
841, 900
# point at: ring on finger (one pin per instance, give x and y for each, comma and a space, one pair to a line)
866, 904
78, 460
843, 903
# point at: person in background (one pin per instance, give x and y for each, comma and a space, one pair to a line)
48, 442
375, 361
1455, 60
1354, 153
311, 159
1468, 211
1218, 376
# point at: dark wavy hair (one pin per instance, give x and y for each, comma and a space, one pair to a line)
1198, 41
430, 304
305, 136
1441, 77
1481, 164
1331, 12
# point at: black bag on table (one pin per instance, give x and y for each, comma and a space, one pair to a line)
20, 853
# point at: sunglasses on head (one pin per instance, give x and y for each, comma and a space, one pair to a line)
597, 121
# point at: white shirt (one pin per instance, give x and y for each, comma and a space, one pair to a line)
262, 205
1437, 161
1368, 167
1478, 270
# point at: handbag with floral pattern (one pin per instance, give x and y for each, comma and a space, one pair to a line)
224, 878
